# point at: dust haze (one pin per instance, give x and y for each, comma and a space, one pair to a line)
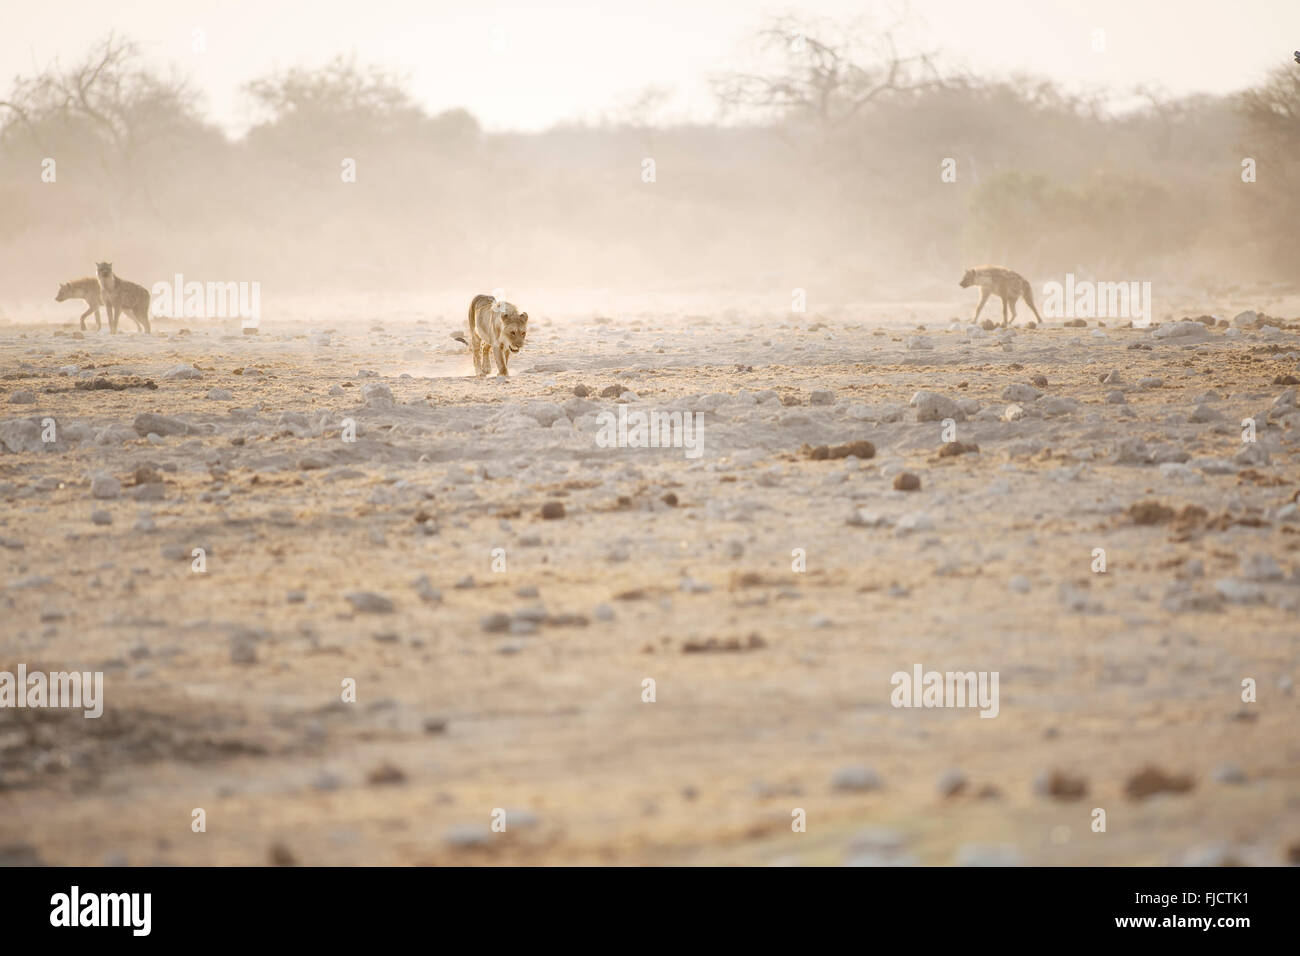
747, 539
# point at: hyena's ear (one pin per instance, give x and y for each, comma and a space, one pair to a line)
523, 317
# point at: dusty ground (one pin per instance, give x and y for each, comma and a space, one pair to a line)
223, 687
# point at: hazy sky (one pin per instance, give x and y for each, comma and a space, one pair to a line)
529, 65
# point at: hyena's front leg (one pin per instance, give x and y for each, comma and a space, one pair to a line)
984, 297
1004, 310
86, 313
499, 353
112, 319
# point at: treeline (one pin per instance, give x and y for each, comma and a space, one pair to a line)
839, 189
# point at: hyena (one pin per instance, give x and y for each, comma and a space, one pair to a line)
86, 289
496, 331
120, 296
1006, 285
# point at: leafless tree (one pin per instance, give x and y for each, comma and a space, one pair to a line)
828, 80
108, 91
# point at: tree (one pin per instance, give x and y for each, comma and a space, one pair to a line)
823, 80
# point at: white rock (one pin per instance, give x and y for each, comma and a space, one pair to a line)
105, 486
182, 372
933, 407
1019, 392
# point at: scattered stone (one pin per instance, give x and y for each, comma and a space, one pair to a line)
952, 783
498, 622
149, 423
377, 394
1151, 780
117, 385
105, 486
933, 407
713, 645
467, 836
1019, 392
1180, 330
427, 592
1150, 512
951, 449
582, 391
243, 648
906, 481
553, 510
822, 397
101, 517
855, 449
855, 779
1229, 773
370, 602
978, 854
279, 854
1060, 786
386, 773
22, 397
181, 372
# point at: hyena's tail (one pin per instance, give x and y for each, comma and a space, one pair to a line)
1029, 301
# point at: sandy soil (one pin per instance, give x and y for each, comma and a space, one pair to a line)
373, 560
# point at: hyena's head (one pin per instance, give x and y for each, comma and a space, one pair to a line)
515, 328
103, 269
968, 278
64, 293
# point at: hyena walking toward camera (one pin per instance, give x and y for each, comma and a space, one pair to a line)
1006, 285
496, 331
87, 290
120, 296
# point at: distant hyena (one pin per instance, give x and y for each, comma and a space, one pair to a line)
120, 296
86, 289
1006, 285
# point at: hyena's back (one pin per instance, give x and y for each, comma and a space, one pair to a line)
132, 298
999, 278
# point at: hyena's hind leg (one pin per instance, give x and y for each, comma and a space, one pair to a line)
1029, 301
984, 297
1012, 303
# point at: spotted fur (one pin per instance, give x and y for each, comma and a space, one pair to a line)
86, 289
1006, 285
120, 296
